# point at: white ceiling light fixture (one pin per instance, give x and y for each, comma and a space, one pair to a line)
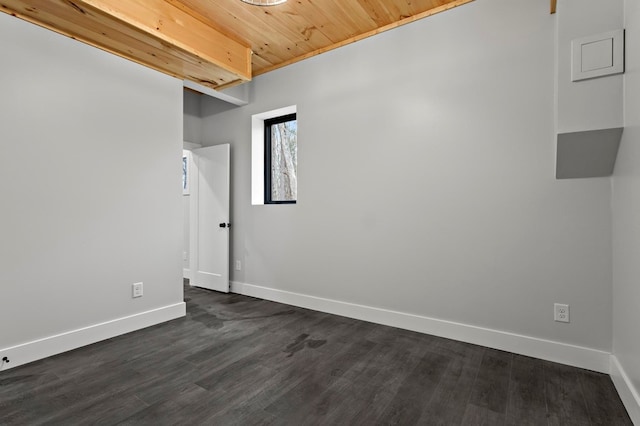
264, 2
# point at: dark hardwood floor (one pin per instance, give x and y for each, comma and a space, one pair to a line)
239, 360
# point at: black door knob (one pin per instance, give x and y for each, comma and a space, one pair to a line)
225, 225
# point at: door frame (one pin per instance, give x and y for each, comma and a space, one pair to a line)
194, 226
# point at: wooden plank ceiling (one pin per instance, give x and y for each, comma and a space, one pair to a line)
219, 43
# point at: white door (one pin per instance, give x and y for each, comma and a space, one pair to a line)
209, 216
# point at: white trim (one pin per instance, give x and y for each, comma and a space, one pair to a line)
63, 342
578, 356
628, 393
186, 273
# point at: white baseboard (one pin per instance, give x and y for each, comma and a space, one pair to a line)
627, 391
186, 273
63, 342
578, 356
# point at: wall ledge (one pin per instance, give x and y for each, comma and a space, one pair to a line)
585, 154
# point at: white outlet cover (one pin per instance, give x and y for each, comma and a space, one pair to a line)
136, 290
561, 312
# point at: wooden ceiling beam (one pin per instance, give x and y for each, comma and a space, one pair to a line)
151, 32
210, 42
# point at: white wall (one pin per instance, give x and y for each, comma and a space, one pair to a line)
595, 103
626, 215
90, 148
186, 227
426, 180
192, 134
192, 122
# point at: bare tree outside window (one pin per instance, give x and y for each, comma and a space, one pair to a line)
281, 155
184, 173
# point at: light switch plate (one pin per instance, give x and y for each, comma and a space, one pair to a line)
597, 55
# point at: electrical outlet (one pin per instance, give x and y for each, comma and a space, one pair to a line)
238, 265
136, 290
561, 312
184, 255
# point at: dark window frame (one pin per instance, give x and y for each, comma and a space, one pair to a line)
267, 156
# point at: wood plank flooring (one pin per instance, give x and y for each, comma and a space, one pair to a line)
236, 360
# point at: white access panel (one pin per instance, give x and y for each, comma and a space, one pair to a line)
597, 55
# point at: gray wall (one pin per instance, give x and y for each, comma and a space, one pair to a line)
192, 124
90, 148
426, 179
185, 233
626, 212
192, 132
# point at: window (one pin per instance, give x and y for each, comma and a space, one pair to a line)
281, 160
186, 156
258, 153
184, 173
